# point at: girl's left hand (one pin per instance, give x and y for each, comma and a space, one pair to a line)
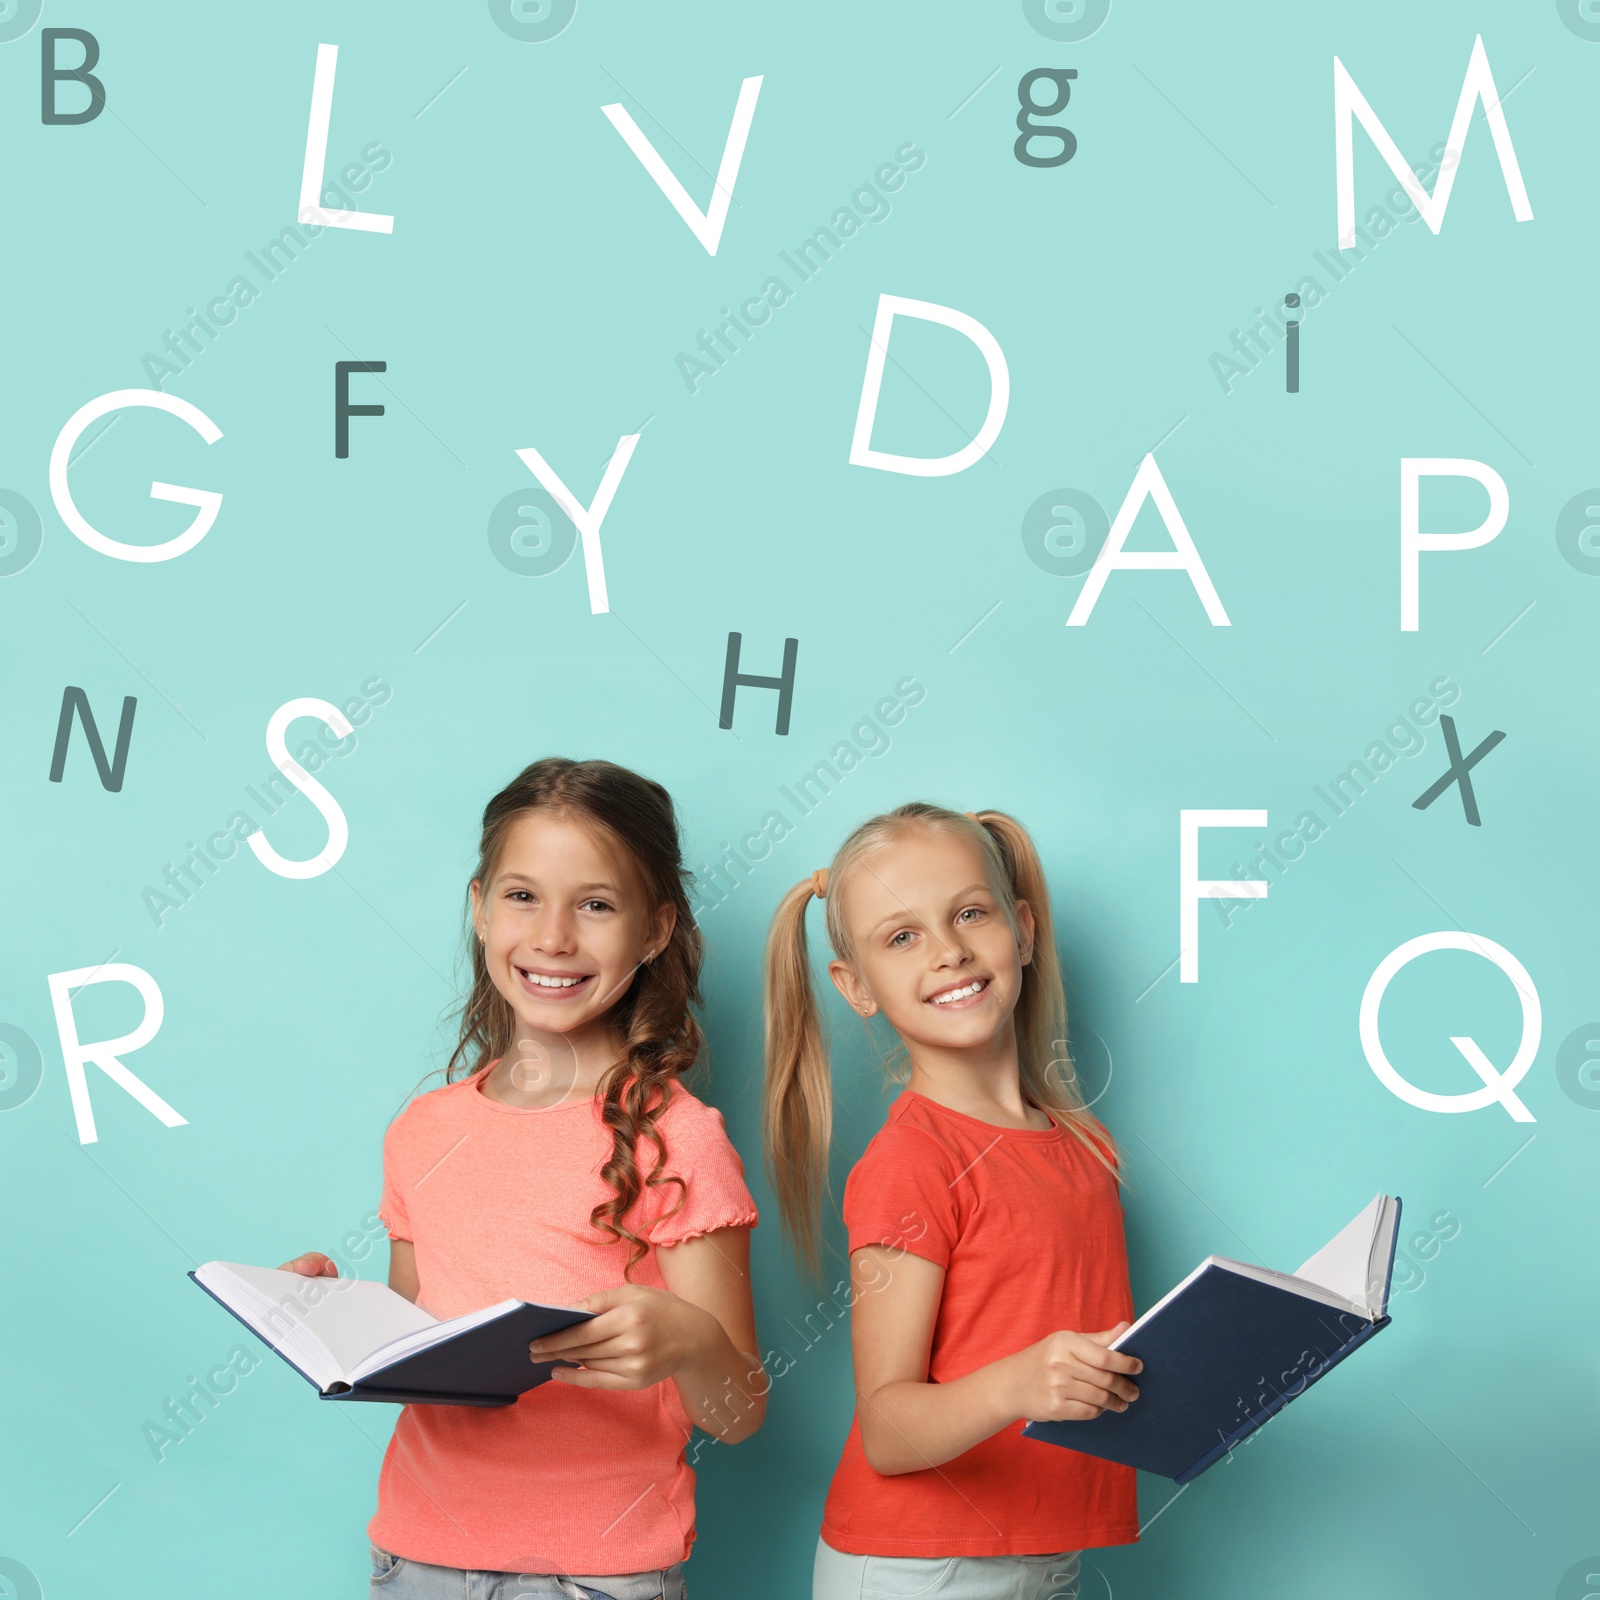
638, 1337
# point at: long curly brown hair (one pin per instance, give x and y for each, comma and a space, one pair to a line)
663, 1040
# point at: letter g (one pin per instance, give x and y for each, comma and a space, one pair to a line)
206, 502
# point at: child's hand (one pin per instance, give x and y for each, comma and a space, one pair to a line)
639, 1337
313, 1264
1073, 1377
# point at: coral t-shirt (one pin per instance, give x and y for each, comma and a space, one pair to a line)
496, 1200
1027, 1225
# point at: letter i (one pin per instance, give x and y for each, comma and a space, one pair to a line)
1291, 345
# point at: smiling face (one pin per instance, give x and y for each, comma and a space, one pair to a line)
932, 944
565, 922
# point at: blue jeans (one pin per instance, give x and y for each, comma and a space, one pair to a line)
398, 1578
838, 1576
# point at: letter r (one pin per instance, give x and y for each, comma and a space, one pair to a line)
104, 1052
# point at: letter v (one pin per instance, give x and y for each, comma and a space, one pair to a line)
705, 226
587, 519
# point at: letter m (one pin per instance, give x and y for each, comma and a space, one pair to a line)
1349, 102
74, 699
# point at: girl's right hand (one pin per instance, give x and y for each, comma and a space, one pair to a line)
1073, 1377
313, 1264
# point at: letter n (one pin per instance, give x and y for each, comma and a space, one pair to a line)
74, 699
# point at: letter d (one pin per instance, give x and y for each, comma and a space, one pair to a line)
861, 452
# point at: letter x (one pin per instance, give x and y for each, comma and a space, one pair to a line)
1459, 770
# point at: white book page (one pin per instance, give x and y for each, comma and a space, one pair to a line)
1345, 1263
408, 1344
343, 1319
1348, 1273
1382, 1256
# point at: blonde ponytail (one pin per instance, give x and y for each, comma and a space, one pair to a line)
1048, 1080
797, 1098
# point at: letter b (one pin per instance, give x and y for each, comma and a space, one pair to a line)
50, 74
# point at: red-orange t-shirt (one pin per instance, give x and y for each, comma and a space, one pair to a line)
496, 1200
1028, 1228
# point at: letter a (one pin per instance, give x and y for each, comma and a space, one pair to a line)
317, 156
1147, 481
706, 226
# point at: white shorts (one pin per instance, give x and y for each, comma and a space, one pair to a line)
837, 1576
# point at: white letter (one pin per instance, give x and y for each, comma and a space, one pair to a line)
317, 155
861, 452
1478, 85
1497, 1086
1147, 481
707, 226
206, 503
104, 1052
338, 828
1192, 888
587, 518
1412, 470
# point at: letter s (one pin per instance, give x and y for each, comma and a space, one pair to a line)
205, 501
278, 749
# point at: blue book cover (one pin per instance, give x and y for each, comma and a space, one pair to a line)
356, 1340
1233, 1344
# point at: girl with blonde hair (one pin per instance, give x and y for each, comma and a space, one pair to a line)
984, 1222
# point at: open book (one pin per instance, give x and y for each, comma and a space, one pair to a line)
1234, 1343
355, 1340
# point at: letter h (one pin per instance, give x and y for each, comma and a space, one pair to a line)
783, 683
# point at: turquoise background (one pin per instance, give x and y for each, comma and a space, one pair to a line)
536, 291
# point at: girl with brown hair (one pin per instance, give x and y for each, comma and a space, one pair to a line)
984, 1222
563, 1161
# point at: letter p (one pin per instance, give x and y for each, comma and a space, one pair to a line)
1192, 888
104, 1052
1412, 542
